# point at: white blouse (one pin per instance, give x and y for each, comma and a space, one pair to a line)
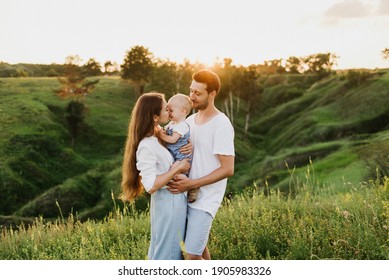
152, 159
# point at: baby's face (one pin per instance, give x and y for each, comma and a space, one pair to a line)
176, 111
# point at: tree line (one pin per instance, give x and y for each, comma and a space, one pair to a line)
90, 68
146, 72
139, 63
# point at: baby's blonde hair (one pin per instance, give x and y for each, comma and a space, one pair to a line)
184, 101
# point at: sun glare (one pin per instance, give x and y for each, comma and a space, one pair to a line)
246, 31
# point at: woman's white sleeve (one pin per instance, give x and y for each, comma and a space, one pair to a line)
146, 163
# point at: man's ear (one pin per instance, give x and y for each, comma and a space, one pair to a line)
213, 93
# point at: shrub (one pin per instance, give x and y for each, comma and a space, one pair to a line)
356, 77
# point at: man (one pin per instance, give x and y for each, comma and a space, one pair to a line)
212, 137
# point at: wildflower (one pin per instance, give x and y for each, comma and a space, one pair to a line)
346, 214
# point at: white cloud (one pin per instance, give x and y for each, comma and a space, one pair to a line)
348, 9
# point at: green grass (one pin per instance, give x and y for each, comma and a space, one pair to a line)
117, 237
315, 224
342, 129
349, 226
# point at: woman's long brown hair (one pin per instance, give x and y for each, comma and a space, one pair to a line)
141, 125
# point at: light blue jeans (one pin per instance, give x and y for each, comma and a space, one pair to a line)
199, 225
168, 222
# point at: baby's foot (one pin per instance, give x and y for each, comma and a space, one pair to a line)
192, 195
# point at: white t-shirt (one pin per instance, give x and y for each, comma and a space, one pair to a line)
152, 159
181, 128
216, 137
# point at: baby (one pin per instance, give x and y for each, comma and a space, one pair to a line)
177, 131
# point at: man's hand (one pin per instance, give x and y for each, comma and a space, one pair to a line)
180, 184
187, 149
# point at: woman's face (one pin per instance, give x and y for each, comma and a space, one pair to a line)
164, 116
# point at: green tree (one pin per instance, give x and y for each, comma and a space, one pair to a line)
108, 67
250, 90
75, 113
137, 67
92, 68
294, 65
320, 63
185, 71
75, 86
163, 78
22, 72
275, 66
227, 73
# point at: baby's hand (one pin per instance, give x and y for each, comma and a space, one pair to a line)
158, 131
183, 165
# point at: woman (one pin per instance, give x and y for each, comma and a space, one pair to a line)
148, 164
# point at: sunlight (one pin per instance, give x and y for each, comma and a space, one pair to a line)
248, 32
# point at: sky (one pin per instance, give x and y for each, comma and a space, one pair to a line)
247, 31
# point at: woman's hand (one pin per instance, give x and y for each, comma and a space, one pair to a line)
187, 149
182, 166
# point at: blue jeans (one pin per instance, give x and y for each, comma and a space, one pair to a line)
197, 233
168, 222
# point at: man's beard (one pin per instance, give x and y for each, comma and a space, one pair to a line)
200, 106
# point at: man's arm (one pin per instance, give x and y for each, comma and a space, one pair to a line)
226, 169
162, 179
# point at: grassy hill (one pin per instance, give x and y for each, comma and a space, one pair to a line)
339, 125
39, 166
